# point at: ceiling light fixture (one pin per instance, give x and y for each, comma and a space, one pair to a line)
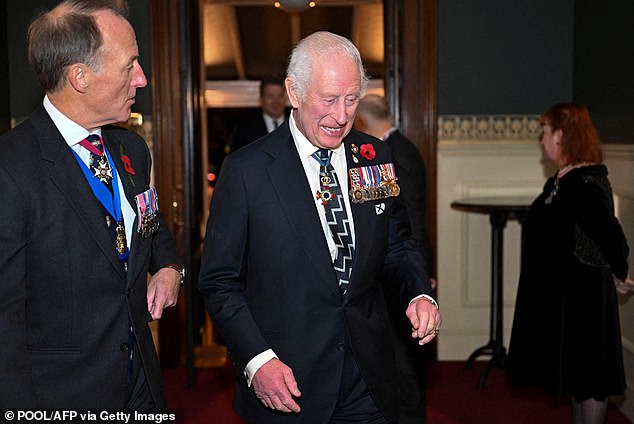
294, 5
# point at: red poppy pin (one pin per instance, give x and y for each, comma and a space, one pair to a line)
367, 151
127, 165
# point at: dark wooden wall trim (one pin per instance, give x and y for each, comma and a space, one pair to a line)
168, 149
178, 110
5, 80
418, 93
167, 120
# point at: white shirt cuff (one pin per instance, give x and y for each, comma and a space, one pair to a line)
426, 296
255, 364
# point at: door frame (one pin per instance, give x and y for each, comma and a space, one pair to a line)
179, 120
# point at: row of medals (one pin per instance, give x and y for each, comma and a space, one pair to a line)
360, 194
387, 187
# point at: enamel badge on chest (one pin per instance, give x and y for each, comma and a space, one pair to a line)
103, 171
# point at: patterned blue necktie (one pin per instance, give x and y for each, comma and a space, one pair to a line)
336, 217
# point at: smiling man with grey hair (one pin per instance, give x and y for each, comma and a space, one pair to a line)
298, 238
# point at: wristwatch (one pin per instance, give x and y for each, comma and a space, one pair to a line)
179, 268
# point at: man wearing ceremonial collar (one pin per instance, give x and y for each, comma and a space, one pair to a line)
293, 282
74, 252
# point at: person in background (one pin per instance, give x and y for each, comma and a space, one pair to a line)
374, 118
273, 105
81, 226
566, 334
292, 264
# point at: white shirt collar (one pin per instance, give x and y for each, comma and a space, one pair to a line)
270, 122
303, 145
72, 132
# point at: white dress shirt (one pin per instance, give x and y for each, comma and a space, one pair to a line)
74, 133
271, 123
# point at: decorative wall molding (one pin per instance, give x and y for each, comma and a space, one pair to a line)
478, 128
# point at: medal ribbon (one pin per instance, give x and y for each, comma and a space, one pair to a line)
388, 168
149, 201
147, 208
373, 176
110, 201
88, 145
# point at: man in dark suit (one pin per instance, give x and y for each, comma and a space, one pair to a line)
273, 105
292, 264
374, 118
80, 227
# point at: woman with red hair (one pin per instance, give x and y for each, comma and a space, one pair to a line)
566, 332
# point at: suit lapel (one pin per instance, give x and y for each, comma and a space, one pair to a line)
114, 146
289, 183
364, 221
70, 180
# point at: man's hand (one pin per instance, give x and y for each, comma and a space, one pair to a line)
162, 292
425, 319
275, 386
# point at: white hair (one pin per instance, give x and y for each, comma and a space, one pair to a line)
318, 45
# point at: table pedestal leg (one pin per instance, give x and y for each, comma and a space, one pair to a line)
495, 346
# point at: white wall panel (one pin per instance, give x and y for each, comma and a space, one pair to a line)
475, 166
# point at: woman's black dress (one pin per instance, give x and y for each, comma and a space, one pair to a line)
566, 333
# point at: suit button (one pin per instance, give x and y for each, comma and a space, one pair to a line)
127, 293
124, 347
340, 346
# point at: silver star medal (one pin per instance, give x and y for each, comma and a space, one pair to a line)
103, 171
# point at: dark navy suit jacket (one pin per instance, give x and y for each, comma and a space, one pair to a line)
248, 131
64, 297
268, 279
410, 169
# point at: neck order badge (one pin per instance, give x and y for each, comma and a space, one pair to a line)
98, 161
104, 183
